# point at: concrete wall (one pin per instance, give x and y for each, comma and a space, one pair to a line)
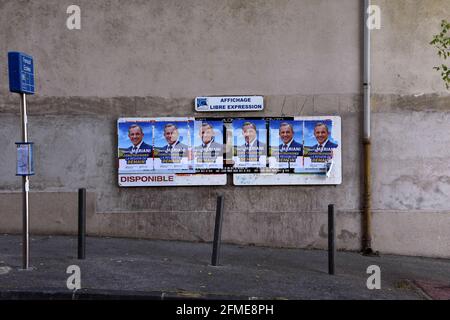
151, 58
411, 167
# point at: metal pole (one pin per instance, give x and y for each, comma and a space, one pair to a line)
81, 223
331, 239
25, 189
217, 232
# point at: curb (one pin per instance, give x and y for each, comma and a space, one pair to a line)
96, 294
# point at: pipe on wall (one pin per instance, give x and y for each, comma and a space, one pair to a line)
367, 214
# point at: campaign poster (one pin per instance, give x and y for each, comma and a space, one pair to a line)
249, 143
135, 150
320, 146
286, 144
208, 144
172, 140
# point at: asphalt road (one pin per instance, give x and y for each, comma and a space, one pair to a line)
150, 269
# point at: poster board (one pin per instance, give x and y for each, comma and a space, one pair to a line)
159, 152
321, 160
258, 151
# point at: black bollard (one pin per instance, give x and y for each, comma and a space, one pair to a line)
217, 232
81, 223
331, 239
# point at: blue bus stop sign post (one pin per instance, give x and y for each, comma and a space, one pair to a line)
21, 81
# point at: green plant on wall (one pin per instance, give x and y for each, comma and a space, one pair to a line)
441, 42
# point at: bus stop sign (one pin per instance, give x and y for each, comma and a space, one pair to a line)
21, 73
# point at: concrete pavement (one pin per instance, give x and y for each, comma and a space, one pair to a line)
149, 269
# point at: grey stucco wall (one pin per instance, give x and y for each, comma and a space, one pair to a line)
151, 58
171, 48
402, 58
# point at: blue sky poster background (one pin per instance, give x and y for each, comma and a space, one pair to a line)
238, 138
182, 126
310, 140
123, 140
218, 130
274, 134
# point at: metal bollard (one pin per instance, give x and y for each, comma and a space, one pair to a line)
81, 223
217, 232
331, 240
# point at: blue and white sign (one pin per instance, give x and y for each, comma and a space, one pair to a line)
21, 73
25, 162
230, 103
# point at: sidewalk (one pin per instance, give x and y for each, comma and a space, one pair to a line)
149, 269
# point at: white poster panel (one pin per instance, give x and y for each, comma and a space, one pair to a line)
171, 180
321, 159
151, 149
